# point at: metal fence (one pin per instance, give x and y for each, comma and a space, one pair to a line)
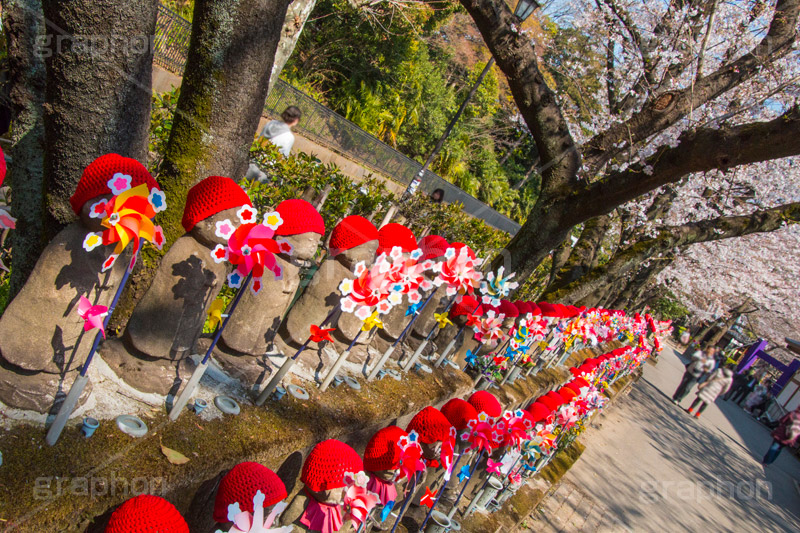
328, 128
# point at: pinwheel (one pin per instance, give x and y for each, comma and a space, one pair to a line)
372, 287
413, 309
567, 416
410, 461
246, 522
6, 220
251, 248
493, 467
92, 315
358, 501
371, 322
480, 435
490, 328
458, 272
495, 287
215, 312
127, 217
319, 334
408, 274
514, 478
463, 473
516, 430
428, 498
442, 319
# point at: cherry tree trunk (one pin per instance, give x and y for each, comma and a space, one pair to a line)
98, 57
227, 74
24, 26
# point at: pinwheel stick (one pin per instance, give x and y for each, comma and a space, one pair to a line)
478, 459
338, 364
452, 344
80, 382
422, 346
288, 364
406, 501
198, 373
439, 494
389, 351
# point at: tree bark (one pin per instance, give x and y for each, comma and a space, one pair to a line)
625, 261
296, 16
24, 26
99, 58
560, 257
735, 313
584, 255
230, 59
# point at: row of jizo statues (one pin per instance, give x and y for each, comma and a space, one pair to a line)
42, 338
336, 481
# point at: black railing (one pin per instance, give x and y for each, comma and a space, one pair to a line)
328, 128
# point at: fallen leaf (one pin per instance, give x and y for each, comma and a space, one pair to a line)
174, 457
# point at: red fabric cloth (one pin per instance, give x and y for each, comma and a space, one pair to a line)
321, 516
385, 490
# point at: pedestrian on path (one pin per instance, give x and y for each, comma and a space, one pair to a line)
717, 384
740, 382
279, 132
786, 434
702, 362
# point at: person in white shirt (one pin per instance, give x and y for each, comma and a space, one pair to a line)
279, 132
702, 363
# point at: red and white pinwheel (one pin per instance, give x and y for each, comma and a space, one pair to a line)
458, 272
408, 274
489, 328
372, 288
251, 247
481, 434
516, 430
358, 501
410, 461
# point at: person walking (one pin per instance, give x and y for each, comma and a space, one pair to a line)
786, 434
717, 384
740, 382
702, 362
279, 132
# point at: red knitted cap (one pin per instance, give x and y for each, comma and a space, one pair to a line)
556, 397
485, 401
146, 514
299, 217
576, 388
351, 232
459, 413
392, 235
459, 245
548, 310
382, 452
534, 309
433, 246
567, 393
539, 411
327, 464
508, 309
240, 486
211, 196
466, 307
95, 178
431, 425
580, 382
523, 307
549, 402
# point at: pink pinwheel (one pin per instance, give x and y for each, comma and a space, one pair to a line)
93, 315
481, 431
410, 461
493, 467
246, 522
516, 429
448, 449
372, 287
408, 276
515, 478
6, 220
489, 328
358, 501
567, 416
458, 272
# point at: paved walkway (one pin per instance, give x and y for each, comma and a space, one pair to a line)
650, 466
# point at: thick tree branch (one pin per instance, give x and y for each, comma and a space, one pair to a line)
668, 238
538, 105
667, 108
700, 151
584, 256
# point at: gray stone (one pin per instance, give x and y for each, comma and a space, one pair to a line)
169, 319
146, 374
42, 392
40, 330
251, 329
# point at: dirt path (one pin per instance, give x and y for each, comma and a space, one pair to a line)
650, 466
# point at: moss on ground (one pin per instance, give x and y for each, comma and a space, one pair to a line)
62, 488
562, 462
